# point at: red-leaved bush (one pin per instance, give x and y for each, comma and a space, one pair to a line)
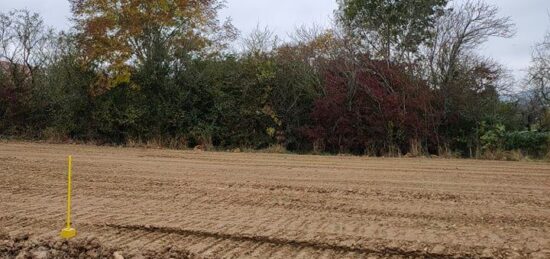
373, 107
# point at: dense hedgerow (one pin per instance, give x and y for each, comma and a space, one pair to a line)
367, 86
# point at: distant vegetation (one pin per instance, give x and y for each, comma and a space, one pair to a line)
390, 78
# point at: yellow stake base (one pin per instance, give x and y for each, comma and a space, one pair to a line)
68, 233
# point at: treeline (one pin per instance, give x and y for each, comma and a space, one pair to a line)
390, 78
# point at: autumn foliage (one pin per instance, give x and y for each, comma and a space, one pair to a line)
377, 109
116, 35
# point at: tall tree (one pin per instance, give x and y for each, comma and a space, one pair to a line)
468, 83
116, 34
539, 72
24, 43
387, 25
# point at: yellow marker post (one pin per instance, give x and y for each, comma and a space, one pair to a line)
68, 232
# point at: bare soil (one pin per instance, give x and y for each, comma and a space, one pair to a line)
147, 203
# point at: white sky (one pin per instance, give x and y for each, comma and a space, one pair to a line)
532, 18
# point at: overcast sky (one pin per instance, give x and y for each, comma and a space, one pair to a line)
282, 16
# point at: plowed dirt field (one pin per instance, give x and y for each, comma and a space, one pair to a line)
225, 205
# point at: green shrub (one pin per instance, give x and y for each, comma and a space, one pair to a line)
492, 137
532, 142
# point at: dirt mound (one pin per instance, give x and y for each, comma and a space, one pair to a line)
22, 246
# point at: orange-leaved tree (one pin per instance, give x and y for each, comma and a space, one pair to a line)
115, 35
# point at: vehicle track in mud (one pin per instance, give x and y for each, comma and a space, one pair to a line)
281, 206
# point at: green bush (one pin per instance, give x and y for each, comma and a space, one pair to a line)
535, 143
492, 138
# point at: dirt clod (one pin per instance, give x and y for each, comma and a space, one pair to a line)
117, 255
438, 249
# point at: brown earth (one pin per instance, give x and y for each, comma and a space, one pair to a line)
166, 203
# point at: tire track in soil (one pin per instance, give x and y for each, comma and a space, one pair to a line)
295, 244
